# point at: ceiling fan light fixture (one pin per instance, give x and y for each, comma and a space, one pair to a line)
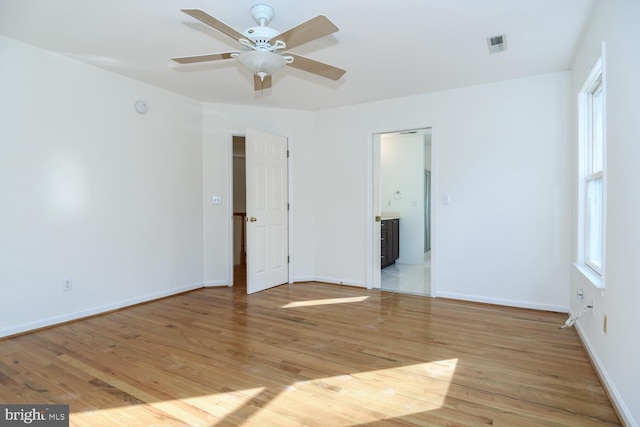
262, 63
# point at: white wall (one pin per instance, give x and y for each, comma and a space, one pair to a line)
92, 190
616, 352
221, 121
500, 151
402, 169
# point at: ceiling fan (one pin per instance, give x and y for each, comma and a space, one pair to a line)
262, 46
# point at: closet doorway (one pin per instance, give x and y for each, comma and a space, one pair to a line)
239, 213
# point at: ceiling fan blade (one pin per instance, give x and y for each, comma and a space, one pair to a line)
203, 58
204, 17
261, 84
315, 67
312, 29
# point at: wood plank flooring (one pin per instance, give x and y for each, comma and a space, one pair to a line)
309, 354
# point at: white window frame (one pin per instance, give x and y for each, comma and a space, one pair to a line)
594, 175
595, 84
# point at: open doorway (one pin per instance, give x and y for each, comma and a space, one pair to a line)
239, 214
404, 198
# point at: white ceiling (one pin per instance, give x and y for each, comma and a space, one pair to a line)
389, 48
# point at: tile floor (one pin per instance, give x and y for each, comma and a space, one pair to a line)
408, 278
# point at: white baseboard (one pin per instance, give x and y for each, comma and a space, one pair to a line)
54, 320
215, 283
501, 301
337, 281
302, 279
614, 395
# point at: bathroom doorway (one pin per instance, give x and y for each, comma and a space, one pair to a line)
404, 196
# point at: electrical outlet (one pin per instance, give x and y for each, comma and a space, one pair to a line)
68, 285
604, 324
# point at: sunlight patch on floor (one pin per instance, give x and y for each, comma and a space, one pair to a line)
324, 302
417, 388
213, 408
162, 412
222, 405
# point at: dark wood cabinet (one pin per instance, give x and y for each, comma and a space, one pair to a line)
389, 242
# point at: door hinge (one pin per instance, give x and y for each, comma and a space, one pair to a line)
287, 153
287, 206
288, 259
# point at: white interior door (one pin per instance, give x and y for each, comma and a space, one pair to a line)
267, 215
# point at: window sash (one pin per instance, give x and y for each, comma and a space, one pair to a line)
593, 179
595, 151
594, 215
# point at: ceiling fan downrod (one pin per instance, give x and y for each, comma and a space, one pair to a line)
262, 14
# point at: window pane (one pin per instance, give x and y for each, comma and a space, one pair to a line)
594, 224
597, 142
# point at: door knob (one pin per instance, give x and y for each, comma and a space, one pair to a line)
253, 219
378, 218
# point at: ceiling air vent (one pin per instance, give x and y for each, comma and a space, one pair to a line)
497, 43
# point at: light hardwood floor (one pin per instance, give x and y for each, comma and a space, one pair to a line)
309, 354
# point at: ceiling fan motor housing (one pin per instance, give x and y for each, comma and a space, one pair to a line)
261, 36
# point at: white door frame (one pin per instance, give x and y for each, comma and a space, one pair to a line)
373, 176
230, 235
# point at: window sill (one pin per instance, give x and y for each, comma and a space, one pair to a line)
591, 276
